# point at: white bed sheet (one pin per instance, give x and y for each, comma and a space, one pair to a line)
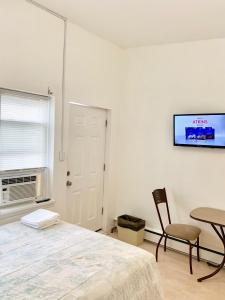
71, 263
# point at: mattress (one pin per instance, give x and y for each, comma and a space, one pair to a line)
68, 262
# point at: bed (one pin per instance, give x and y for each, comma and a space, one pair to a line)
68, 262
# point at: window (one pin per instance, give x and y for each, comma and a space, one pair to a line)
24, 126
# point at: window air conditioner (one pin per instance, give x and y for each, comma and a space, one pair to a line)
22, 188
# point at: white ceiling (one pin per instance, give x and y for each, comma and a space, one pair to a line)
132, 23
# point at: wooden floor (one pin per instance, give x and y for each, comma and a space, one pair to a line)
178, 284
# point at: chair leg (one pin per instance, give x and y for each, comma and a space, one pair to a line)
198, 255
157, 248
165, 243
190, 257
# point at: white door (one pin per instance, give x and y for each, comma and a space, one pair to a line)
86, 155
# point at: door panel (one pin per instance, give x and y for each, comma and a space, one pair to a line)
75, 209
86, 154
92, 203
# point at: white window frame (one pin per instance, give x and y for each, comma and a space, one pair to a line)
37, 97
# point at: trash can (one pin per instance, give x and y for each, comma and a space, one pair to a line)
131, 229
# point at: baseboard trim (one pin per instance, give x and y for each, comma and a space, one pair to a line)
184, 242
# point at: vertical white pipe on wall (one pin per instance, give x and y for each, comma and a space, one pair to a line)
62, 152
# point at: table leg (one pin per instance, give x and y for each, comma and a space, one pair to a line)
220, 266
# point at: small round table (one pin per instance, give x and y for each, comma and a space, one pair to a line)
214, 217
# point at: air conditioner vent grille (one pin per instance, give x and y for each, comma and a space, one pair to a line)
22, 191
15, 180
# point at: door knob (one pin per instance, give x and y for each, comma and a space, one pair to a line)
68, 183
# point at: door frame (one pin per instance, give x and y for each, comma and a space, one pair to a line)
106, 175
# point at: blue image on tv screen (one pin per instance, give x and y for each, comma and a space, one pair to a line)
199, 130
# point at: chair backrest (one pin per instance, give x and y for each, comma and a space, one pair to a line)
159, 197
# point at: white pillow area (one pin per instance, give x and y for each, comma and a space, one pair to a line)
40, 219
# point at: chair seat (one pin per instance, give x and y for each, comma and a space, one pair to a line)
183, 231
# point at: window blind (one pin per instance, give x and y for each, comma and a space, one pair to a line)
24, 124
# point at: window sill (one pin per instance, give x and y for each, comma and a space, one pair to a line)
21, 209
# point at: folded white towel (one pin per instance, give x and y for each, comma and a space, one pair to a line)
47, 224
40, 219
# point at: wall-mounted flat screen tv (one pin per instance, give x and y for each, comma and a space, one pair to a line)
202, 130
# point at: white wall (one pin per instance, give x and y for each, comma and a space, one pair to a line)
31, 60
95, 75
163, 80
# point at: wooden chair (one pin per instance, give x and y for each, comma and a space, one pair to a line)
181, 231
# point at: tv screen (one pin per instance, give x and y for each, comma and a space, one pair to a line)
203, 130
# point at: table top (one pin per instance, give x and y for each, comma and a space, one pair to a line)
209, 215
